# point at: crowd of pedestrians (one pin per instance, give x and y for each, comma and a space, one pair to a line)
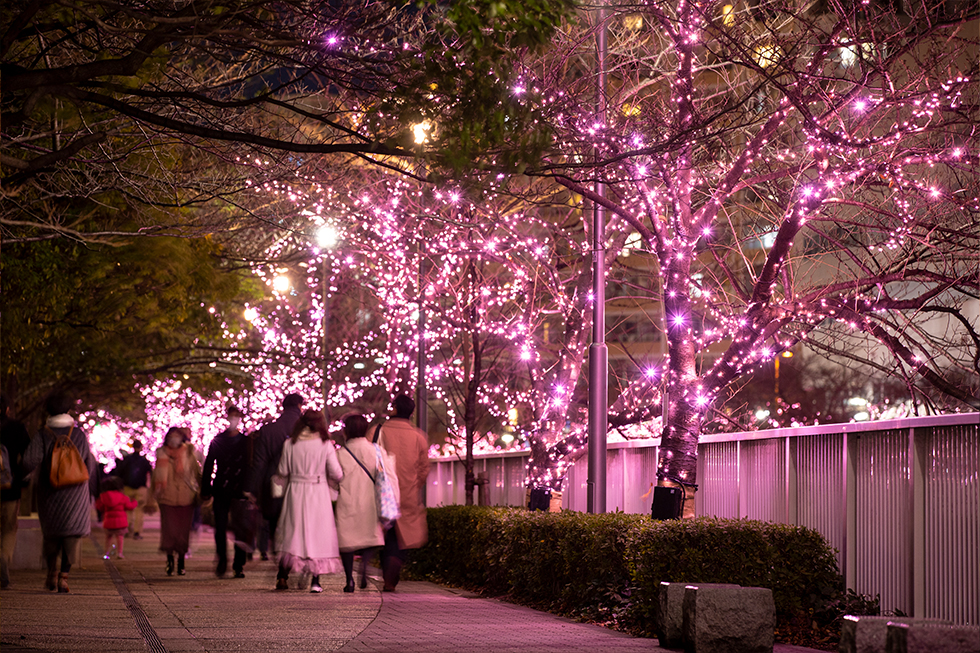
288, 485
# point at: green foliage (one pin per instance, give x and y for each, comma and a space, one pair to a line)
608, 568
90, 317
796, 563
465, 82
500, 25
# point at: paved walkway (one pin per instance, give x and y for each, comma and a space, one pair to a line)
131, 606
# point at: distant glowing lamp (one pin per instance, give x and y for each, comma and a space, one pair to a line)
326, 236
633, 22
251, 314
768, 55
280, 283
420, 131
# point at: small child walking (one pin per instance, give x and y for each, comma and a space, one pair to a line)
114, 504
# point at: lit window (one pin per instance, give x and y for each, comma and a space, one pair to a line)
728, 15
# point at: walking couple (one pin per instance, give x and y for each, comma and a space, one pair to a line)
308, 536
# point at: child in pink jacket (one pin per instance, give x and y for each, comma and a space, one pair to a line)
114, 504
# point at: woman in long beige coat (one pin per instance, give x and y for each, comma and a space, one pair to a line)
358, 528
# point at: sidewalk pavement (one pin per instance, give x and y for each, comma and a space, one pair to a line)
131, 606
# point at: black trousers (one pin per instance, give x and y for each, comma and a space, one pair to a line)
271, 511
222, 509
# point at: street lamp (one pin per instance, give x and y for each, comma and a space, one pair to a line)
326, 236
775, 388
420, 132
598, 352
280, 283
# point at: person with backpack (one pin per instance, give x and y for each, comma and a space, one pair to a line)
67, 472
134, 470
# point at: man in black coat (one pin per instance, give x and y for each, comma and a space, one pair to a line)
227, 462
134, 470
268, 449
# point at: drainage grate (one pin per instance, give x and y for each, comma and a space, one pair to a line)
142, 623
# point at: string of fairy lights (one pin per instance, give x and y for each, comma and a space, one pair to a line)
879, 175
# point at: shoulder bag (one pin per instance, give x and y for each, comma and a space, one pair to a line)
384, 495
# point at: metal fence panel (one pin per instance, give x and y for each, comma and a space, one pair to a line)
718, 492
820, 488
762, 480
952, 517
615, 479
516, 473
575, 489
639, 477
883, 545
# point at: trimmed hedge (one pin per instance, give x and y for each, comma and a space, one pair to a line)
608, 568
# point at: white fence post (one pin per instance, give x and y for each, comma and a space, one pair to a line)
850, 509
917, 489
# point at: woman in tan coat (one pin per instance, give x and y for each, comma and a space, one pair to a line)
358, 528
176, 486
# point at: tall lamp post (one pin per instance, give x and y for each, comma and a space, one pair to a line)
421, 393
598, 352
326, 238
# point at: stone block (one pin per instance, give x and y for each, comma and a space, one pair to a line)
727, 619
669, 624
931, 638
861, 634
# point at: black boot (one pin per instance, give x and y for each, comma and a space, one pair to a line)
347, 558
170, 564
392, 571
180, 565
364, 563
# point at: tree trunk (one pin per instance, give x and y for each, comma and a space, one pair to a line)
469, 415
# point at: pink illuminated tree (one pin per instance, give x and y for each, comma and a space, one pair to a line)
785, 177
794, 177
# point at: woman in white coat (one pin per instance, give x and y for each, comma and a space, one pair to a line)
306, 536
358, 529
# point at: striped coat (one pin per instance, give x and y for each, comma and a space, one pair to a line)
63, 512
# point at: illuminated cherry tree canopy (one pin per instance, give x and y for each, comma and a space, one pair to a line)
786, 177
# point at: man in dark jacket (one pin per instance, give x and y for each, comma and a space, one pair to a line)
268, 449
134, 470
227, 463
13, 436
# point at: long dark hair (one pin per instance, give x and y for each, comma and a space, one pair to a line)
312, 420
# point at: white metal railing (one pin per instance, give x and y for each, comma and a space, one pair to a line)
898, 499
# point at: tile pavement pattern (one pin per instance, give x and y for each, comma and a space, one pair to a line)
132, 606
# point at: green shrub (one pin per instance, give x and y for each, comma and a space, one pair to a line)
608, 568
796, 563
